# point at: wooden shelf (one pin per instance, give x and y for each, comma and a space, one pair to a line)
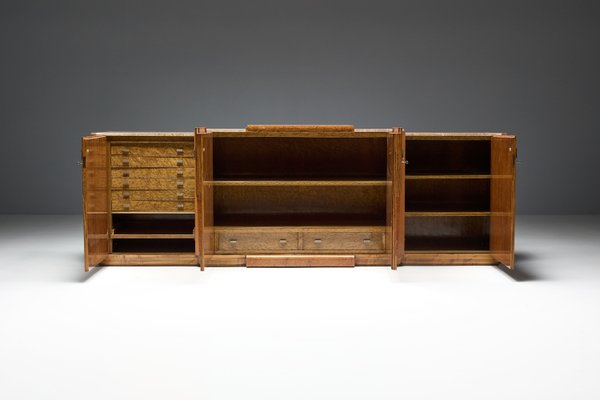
450, 176
152, 236
447, 214
297, 183
305, 219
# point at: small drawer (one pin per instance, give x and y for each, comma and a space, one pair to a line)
355, 241
154, 149
153, 184
153, 195
244, 242
160, 173
120, 161
128, 205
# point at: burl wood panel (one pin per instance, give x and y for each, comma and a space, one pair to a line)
502, 199
157, 173
259, 241
150, 162
126, 205
360, 242
154, 149
153, 195
95, 200
153, 184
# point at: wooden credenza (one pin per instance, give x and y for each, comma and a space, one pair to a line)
288, 196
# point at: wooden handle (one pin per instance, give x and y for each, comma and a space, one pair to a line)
300, 128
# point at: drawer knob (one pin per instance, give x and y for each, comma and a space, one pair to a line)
179, 152
179, 173
283, 241
180, 196
318, 241
367, 241
180, 206
180, 163
125, 151
126, 195
126, 162
233, 241
179, 184
125, 173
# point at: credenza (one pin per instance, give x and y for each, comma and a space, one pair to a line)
298, 196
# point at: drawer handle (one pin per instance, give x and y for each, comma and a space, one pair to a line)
125, 195
282, 241
125, 173
367, 241
180, 206
126, 162
233, 241
179, 184
125, 151
318, 241
180, 163
179, 152
126, 206
180, 196
179, 173
126, 184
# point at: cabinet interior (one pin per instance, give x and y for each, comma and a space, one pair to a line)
299, 181
299, 158
447, 197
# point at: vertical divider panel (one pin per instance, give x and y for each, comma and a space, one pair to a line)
96, 190
395, 195
204, 231
502, 199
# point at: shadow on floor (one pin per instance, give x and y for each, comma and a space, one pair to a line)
523, 271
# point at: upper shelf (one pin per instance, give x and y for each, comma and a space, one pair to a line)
298, 183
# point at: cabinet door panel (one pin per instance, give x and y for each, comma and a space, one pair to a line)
502, 199
205, 235
95, 199
395, 196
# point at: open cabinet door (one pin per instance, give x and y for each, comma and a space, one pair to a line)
94, 154
395, 208
502, 199
204, 232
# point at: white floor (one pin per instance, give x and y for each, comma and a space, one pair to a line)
362, 333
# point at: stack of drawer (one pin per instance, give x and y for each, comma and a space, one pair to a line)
152, 177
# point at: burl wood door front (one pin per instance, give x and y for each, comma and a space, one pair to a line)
502, 199
95, 172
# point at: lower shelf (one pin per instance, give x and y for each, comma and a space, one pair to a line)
447, 233
153, 245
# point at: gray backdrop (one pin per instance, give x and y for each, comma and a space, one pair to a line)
71, 67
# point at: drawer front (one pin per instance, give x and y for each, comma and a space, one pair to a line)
355, 241
154, 149
120, 205
153, 184
153, 195
118, 161
244, 242
161, 173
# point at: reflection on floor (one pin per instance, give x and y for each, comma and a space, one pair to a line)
362, 333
